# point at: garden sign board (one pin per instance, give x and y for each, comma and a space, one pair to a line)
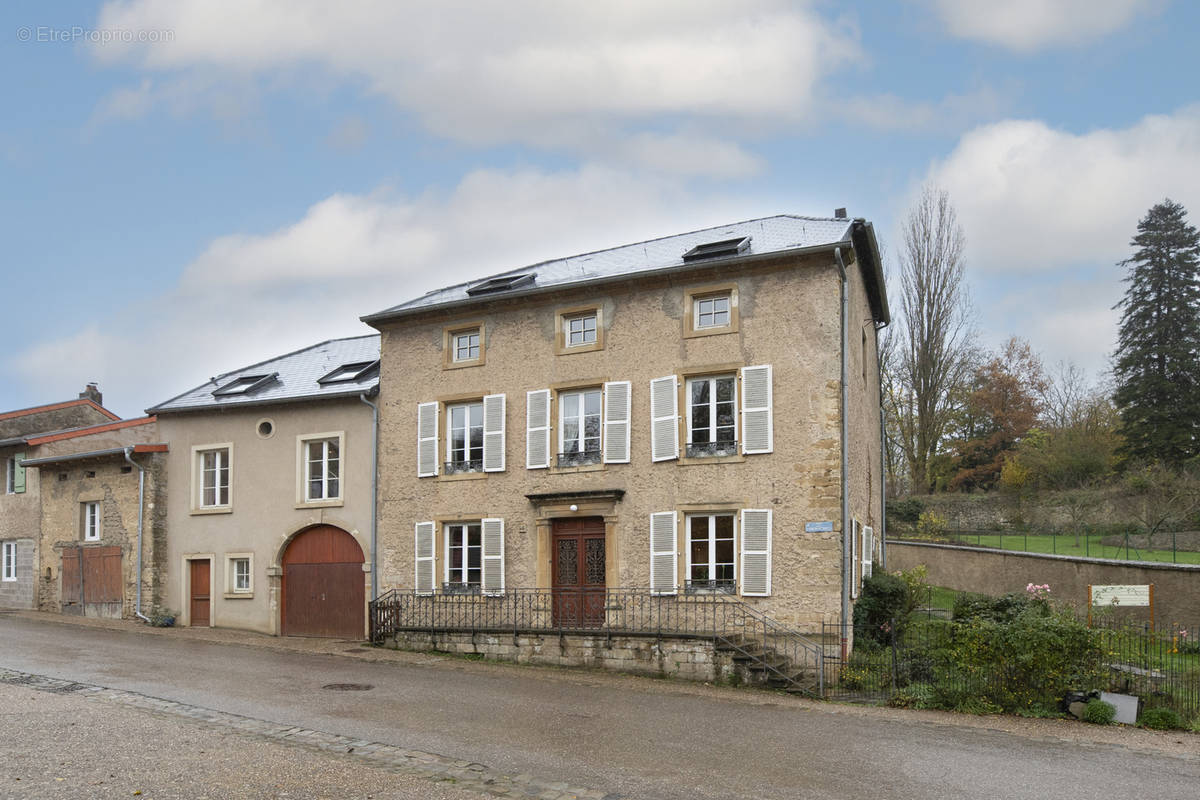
1118, 595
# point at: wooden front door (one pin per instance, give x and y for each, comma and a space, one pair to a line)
91, 581
578, 572
199, 613
324, 587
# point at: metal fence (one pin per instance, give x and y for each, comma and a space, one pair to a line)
1165, 547
785, 656
1161, 666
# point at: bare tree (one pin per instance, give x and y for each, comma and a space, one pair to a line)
934, 338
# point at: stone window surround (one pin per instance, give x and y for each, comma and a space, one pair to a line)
690, 296
444, 533
712, 370
231, 590
561, 319
444, 402
302, 441
450, 332
687, 510
197, 492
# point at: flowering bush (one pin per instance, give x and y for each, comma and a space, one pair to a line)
1038, 591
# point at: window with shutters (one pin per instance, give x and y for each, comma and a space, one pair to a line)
464, 438
211, 468
464, 557
10, 561
711, 553
711, 415
580, 330
711, 310
319, 468
463, 345
591, 424
14, 481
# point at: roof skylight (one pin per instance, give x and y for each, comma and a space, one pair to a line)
349, 372
246, 384
726, 247
501, 284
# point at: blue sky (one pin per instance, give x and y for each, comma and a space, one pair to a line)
187, 187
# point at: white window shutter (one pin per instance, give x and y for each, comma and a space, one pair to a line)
493, 433
427, 439
855, 564
616, 421
868, 551
493, 556
664, 550
537, 429
757, 414
664, 419
756, 552
425, 581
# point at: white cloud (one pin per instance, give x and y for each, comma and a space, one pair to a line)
568, 75
247, 297
1032, 198
1027, 25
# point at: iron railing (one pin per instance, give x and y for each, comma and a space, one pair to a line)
714, 449
786, 657
470, 465
579, 458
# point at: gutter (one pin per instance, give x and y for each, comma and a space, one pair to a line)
113, 451
137, 610
159, 410
847, 567
374, 495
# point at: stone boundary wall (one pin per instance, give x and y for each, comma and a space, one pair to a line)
689, 659
997, 572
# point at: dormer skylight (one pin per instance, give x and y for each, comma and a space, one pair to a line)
246, 384
726, 247
501, 284
347, 373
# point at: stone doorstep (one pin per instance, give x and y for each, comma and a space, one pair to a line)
468, 774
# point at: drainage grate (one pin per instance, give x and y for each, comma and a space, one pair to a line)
348, 687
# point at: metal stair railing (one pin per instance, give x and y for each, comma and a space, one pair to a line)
747, 627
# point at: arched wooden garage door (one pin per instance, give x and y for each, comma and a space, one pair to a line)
323, 585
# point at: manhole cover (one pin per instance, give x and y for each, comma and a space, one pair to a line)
348, 687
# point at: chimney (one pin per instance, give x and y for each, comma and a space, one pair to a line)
839, 213
92, 392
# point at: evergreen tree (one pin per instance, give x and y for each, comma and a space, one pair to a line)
1157, 365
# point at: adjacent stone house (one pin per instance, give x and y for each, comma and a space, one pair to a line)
692, 417
20, 501
271, 506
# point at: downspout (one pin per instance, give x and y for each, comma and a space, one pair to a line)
374, 495
883, 443
137, 609
847, 567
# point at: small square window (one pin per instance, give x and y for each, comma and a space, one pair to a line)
91, 521
712, 312
580, 330
466, 346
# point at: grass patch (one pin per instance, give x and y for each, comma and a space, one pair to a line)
1090, 546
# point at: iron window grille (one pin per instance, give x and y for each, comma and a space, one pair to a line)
712, 449
579, 458
470, 465
722, 586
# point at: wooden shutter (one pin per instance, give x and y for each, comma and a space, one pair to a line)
18, 473
664, 419
664, 549
427, 439
426, 576
537, 429
493, 556
616, 421
868, 551
493, 433
855, 564
757, 422
756, 552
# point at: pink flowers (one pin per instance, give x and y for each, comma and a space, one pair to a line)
1038, 591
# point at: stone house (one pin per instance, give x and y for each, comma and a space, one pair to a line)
20, 502
692, 418
271, 508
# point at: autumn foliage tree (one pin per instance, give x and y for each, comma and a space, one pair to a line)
1001, 409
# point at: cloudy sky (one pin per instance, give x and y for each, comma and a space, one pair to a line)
189, 186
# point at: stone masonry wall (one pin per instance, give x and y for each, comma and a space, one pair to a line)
19, 593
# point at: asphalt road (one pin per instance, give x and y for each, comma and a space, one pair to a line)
633, 737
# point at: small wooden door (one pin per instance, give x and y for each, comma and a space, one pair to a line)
578, 570
91, 581
201, 601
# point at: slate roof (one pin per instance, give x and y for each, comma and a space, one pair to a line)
767, 235
293, 378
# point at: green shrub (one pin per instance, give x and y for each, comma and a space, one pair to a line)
916, 695
1195, 727
1160, 719
1003, 609
931, 525
906, 511
882, 606
1099, 712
